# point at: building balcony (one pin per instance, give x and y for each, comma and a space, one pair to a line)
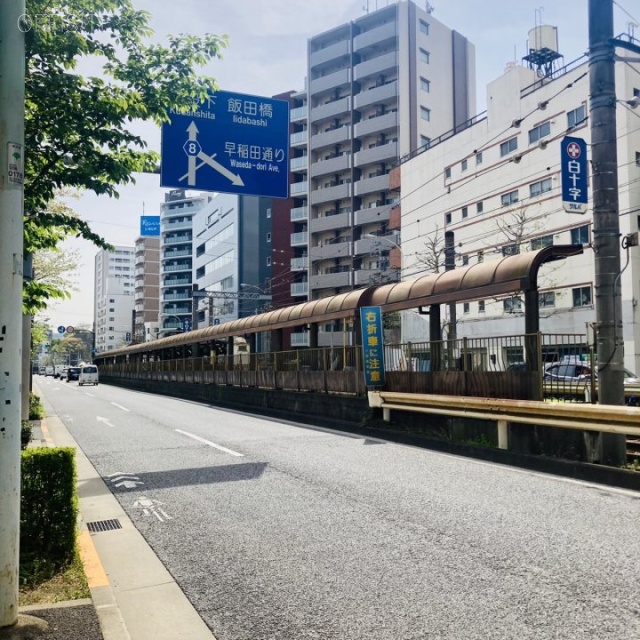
298, 188
176, 253
336, 221
381, 153
370, 185
176, 309
299, 288
176, 282
332, 165
372, 214
331, 280
298, 114
299, 239
379, 65
299, 264
328, 194
299, 214
298, 139
336, 80
169, 268
332, 250
330, 54
330, 138
385, 34
138, 272
331, 109
384, 94
179, 239
178, 295
299, 164
175, 225
368, 277
380, 124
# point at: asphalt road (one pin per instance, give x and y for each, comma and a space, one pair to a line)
278, 531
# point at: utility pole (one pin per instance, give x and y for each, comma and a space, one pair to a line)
606, 225
449, 265
12, 62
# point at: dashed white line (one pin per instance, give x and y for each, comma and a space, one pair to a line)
120, 406
211, 444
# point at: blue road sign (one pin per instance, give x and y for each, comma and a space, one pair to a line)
372, 346
61, 329
574, 172
150, 226
186, 325
233, 143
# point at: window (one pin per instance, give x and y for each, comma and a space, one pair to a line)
465, 212
508, 147
447, 218
582, 297
465, 307
512, 305
268, 262
580, 235
465, 261
463, 165
425, 113
539, 132
480, 256
425, 142
509, 198
481, 306
576, 117
425, 84
540, 187
547, 299
424, 27
424, 56
510, 250
447, 173
541, 243
479, 157
268, 237
479, 207
269, 212
637, 158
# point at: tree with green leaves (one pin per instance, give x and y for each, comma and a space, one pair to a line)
78, 128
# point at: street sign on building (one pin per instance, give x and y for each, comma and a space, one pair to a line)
574, 172
233, 143
150, 226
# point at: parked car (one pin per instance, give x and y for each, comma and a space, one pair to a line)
49, 371
568, 372
88, 375
73, 373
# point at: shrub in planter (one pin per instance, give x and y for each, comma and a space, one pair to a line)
25, 434
36, 410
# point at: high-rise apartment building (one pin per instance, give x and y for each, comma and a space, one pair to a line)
114, 297
147, 288
176, 261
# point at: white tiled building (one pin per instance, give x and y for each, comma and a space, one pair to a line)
114, 297
497, 187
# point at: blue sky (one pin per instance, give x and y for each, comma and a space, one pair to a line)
267, 55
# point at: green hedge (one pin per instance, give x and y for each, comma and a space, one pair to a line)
49, 509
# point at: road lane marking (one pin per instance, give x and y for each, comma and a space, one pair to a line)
104, 421
120, 406
211, 444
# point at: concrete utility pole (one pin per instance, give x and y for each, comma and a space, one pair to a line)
606, 225
12, 63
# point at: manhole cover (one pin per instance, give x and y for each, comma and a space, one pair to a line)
103, 525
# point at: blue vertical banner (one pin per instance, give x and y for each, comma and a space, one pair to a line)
372, 346
574, 173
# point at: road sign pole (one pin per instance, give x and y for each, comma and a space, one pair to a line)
11, 263
606, 226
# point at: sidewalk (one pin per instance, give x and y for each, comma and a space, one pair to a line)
133, 596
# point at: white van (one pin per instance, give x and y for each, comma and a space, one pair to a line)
88, 374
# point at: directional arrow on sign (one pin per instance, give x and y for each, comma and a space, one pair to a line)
192, 129
221, 169
126, 480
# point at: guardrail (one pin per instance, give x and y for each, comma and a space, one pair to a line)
622, 420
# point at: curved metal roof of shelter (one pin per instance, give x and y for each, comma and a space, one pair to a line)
485, 279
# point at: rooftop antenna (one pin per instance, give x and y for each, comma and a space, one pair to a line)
365, 7
429, 8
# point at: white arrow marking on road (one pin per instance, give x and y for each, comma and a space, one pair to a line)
128, 484
127, 480
193, 136
211, 444
120, 406
104, 420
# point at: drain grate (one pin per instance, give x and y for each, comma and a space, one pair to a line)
103, 525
